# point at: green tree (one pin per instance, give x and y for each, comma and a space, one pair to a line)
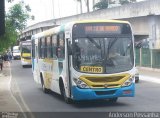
15, 22
9, 38
18, 15
103, 4
122, 2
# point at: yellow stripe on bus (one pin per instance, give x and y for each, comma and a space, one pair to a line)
26, 54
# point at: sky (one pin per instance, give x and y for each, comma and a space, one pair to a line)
44, 10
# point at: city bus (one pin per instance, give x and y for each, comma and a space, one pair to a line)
25, 50
86, 60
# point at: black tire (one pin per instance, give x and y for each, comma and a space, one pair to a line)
113, 100
137, 80
63, 93
23, 66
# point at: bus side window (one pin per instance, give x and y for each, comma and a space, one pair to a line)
61, 46
39, 48
43, 48
48, 47
54, 47
33, 48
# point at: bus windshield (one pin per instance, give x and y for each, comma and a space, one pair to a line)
16, 51
26, 49
103, 55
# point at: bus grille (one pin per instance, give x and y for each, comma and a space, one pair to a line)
27, 57
113, 81
105, 92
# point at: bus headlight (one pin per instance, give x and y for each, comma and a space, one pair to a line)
129, 81
80, 83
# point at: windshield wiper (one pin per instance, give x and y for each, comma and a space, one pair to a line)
106, 60
94, 42
111, 43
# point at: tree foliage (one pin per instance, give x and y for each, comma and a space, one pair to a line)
122, 2
9, 38
103, 4
15, 22
18, 15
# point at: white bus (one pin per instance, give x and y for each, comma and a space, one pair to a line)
86, 60
16, 52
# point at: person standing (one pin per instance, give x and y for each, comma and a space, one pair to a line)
1, 62
9, 57
6, 60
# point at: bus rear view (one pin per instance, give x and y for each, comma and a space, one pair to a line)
25, 48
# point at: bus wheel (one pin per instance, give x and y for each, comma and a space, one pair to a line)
113, 100
44, 88
63, 93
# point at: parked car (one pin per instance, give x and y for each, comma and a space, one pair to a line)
136, 76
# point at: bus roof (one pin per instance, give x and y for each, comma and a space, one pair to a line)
95, 21
61, 27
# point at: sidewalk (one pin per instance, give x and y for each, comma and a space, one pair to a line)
149, 72
7, 102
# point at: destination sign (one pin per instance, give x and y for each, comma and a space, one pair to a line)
102, 28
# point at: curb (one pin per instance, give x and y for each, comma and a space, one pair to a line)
148, 69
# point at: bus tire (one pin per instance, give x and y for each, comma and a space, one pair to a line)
45, 90
63, 93
23, 66
113, 100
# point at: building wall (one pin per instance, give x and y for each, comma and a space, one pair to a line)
142, 15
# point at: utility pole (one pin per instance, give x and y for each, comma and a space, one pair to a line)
87, 3
2, 17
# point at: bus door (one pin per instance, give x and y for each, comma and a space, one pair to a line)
55, 68
36, 66
68, 61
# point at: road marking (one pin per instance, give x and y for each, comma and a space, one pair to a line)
149, 79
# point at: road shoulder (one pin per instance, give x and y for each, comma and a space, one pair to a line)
7, 101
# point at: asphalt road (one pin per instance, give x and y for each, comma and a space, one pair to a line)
146, 99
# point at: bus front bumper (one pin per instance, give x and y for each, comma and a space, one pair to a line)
104, 93
26, 62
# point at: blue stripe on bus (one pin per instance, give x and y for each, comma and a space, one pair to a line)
90, 94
